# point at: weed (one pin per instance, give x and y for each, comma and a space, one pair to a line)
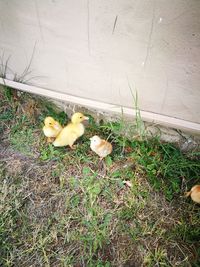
49, 153
4, 68
22, 140
21, 78
156, 258
11, 203
166, 166
50, 110
8, 93
139, 123
7, 115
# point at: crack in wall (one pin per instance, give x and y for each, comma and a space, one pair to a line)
150, 35
88, 25
38, 18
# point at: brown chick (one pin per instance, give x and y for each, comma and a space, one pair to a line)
101, 147
194, 193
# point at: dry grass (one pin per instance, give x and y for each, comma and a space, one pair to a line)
65, 208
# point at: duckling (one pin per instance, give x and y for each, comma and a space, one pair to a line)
194, 193
101, 147
72, 131
51, 128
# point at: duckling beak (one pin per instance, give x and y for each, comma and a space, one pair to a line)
56, 126
86, 118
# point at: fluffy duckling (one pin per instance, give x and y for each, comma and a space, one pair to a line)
194, 193
101, 147
51, 128
72, 131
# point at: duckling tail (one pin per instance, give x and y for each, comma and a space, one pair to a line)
55, 143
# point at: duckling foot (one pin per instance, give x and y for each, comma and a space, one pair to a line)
73, 147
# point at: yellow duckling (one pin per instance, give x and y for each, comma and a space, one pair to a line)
72, 131
51, 129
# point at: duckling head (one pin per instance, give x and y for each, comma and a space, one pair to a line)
78, 118
95, 140
50, 122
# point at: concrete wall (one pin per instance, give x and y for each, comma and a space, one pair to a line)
95, 48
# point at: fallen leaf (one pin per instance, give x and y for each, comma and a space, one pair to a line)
128, 183
128, 149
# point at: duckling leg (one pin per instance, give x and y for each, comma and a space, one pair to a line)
73, 147
50, 139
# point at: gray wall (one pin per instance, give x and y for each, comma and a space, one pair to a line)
93, 49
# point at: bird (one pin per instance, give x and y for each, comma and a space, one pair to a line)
51, 128
194, 193
100, 146
71, 132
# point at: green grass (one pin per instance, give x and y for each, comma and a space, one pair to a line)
60, 207
165, 166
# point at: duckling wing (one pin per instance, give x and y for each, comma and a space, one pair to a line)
66, 137
50, 132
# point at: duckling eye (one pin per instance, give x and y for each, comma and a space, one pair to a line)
81, 117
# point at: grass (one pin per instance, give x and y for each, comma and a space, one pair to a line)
65, 208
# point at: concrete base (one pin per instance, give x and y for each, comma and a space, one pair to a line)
102, 107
